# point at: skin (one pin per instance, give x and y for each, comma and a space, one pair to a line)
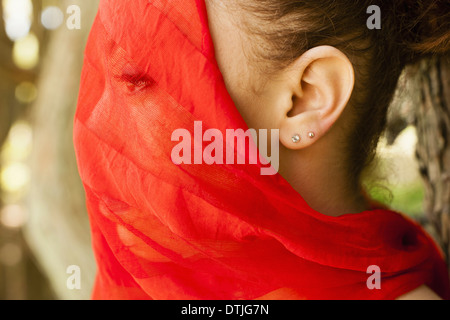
310, 95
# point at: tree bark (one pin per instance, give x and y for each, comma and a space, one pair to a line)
433, 147
423, 100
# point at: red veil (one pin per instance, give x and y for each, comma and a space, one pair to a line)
220, 231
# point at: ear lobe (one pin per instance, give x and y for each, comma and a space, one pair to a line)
322, 82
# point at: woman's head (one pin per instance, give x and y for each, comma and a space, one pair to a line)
315, 66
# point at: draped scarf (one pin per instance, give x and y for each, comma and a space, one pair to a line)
216, 231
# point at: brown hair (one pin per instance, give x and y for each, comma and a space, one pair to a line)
410, 30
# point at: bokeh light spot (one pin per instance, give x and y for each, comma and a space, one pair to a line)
52, 18
26, 52
26, 92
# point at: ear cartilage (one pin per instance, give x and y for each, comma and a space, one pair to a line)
296, 138
311, 135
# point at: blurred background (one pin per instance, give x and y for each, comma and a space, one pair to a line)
43, 221
44, 229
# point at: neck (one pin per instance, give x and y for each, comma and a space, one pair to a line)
320, 178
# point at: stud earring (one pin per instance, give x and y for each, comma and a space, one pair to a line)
296, 138
311, 135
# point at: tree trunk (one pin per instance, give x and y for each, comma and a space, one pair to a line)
423, 100
433, 148
58, 228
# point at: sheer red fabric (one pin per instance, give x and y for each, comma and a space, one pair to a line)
220, 231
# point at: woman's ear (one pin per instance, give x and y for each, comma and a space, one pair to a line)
321, 83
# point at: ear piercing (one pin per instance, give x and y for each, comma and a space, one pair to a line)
296, 138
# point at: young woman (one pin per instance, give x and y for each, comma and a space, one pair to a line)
170, 87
